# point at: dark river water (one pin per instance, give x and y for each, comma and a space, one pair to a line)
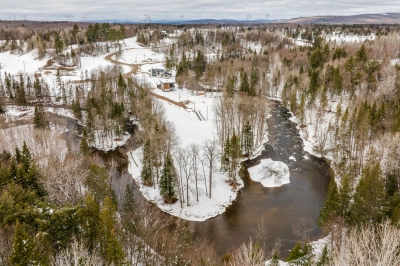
288, 212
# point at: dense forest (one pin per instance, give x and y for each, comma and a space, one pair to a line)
57, 205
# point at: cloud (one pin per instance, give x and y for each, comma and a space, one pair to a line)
190, 9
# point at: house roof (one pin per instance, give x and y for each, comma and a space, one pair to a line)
167, 81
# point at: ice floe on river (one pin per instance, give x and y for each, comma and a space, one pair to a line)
270, 173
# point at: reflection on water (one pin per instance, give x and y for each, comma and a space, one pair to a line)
287, 211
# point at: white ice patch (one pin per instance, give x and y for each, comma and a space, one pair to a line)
270, 173
292, 158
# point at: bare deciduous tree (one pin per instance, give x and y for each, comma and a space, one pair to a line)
64, 179
369, 245
77, 254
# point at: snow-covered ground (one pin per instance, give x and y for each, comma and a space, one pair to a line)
222, 194
20, 64
349, 38
394, 62
191, 130
108, 141
193, 125
316, 247
24, 113
337, 37
270, 173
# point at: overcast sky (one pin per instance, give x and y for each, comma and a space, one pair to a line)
189, 9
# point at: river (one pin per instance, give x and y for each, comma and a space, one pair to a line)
288, 212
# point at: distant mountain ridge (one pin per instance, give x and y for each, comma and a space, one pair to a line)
383, 18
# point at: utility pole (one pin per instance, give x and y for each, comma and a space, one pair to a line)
181, 17
267, 16
147, 18
248, 20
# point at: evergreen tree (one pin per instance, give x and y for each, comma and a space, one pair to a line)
369, 196
300, 255
147, 173
226, 156
247, 139
235, 154
330, 209
23, 246
244, 84
59, 227
114, 252
20, 94
58, 44
121, 82
84, 147
274, 258
77, 109
324, 258
337, 81
344, 197
23, 171
235, 147
107, 220
2, 108
168, 180
199, 64
314, 84
38, 89
395, 216
230, 86
88, 217
129, 211
39, 118
254, 78
362, 55
316, 60
97, 183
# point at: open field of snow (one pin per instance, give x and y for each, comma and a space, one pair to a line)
20, 64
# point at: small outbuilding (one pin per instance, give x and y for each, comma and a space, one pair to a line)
166, 85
